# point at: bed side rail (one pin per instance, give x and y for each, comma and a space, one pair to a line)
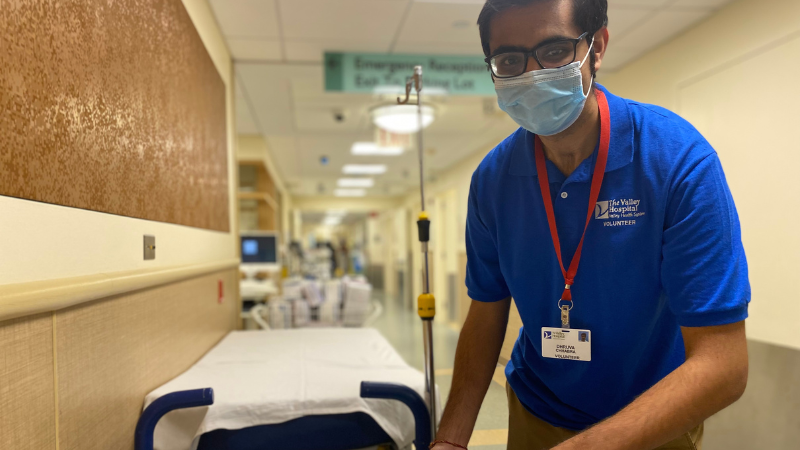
422, 419
146, 426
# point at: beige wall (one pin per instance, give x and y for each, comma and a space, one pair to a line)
734, 77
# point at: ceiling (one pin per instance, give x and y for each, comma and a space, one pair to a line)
278, 47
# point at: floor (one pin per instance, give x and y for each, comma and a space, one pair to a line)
403, 329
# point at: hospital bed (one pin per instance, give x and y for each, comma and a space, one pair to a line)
290, 389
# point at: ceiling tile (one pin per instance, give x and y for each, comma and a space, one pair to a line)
245, 123
660, 28
315, 110
622, 19
268, 86
238, 90
616, 58
244, 120
283, 151
368, 20
253, 49
313, 50
463, 2
441, 23
314, 118
337, 149
246, 18
700, 3
638, 3
435, 48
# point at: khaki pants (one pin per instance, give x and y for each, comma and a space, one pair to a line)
528, 432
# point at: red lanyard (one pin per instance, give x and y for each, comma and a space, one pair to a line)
597, 181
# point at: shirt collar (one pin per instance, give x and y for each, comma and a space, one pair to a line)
620, 151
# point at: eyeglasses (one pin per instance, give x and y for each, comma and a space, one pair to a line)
550, 55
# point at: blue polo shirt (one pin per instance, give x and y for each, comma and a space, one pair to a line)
663, 250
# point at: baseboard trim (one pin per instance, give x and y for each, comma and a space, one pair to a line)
24, 299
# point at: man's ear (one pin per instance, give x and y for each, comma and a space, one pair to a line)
599, 47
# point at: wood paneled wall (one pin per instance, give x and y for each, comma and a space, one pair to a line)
79, 376
114, 107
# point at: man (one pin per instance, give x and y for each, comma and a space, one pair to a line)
601, 216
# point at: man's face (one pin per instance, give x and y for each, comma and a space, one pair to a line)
523, 28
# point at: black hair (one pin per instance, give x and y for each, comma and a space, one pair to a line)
588, 15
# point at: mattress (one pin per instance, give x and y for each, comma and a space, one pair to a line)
275, 377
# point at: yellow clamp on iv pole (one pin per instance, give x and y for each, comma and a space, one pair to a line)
426, 303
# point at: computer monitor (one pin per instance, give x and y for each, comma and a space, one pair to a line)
260, 251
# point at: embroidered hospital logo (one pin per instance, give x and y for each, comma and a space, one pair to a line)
618, 212
601, 210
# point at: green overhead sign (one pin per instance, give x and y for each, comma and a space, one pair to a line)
370, 73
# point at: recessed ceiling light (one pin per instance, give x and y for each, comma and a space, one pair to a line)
401, 119
331, 221
356, 182
364, 169
371, 148
350, 192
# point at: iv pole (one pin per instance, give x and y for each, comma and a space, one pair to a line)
426, 303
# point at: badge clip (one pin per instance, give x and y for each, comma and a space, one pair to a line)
566, 297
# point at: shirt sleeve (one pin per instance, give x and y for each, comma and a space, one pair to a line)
704, 270
485, 281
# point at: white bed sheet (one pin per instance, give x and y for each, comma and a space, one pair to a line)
270, 377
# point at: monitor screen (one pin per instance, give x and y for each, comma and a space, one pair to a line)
259, 249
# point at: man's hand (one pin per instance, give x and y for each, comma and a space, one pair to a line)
713, 376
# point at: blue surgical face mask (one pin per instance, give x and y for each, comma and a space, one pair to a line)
544, 102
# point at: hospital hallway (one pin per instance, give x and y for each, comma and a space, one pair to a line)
225, 224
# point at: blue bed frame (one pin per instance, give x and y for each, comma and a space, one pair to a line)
329, 432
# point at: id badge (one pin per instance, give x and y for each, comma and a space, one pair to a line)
559, 343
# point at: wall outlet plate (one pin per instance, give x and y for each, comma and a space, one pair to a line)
149, 247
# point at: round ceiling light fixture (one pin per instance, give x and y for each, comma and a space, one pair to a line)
401, 119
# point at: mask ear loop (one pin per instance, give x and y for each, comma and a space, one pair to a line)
591, 45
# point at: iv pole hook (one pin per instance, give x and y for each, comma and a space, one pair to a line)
410, 81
